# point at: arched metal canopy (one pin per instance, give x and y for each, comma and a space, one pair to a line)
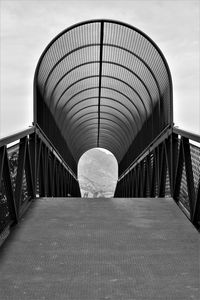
102, 83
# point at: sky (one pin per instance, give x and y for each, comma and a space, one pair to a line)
28, 26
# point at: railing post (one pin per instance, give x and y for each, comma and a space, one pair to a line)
29, 171
179, 171
175, 157
148, 175
168, 157
153, 176
196, 215
163, 171
32, 145
20, 170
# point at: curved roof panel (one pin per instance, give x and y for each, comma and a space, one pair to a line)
102, 83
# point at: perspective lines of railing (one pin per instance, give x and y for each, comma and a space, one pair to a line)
170, 167
32, 167
28, 169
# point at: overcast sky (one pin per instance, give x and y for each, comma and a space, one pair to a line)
28, 26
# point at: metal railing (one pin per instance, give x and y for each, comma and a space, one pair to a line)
30, 168
170, 167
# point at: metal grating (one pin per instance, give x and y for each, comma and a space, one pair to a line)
95, 77
5, 217
195, 155
167, 185
4, 211
13, 153
183, 197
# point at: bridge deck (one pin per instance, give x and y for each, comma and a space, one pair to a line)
91, 249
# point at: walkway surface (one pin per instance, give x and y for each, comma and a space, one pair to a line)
87, 249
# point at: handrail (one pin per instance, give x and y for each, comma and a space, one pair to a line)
190, 135
16, 136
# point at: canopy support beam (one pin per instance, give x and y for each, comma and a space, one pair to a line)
100, 76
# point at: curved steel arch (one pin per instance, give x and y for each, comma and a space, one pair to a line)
107, 113
108, 98
114, 149
123, 137
92, 62
92, 45
86, 145
100, 21
146, 65
86, 63
89, 130
143, 90
90, 126
96, 76
109, 106
60, 79
92, 88
62, 58
104, 134
102, 122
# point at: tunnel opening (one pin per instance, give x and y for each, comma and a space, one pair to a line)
102, 83
97, 173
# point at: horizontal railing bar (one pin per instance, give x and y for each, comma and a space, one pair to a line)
192, 136
17, 136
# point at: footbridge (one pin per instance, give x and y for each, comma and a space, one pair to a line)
100, 83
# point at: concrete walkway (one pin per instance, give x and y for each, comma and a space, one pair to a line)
88, 249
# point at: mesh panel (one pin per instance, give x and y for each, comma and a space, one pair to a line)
71, 84
183, 196
135, 69
109, 68
195, 156
4, 212
167, 185
66, 43
13, 159
25, 195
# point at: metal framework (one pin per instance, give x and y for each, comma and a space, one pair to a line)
102, 83
31, 168
170, 167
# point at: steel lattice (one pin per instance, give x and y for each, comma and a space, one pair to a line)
102, 84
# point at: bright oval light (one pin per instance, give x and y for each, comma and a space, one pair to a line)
97, 173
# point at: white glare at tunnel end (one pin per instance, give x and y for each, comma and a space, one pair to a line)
97, 173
